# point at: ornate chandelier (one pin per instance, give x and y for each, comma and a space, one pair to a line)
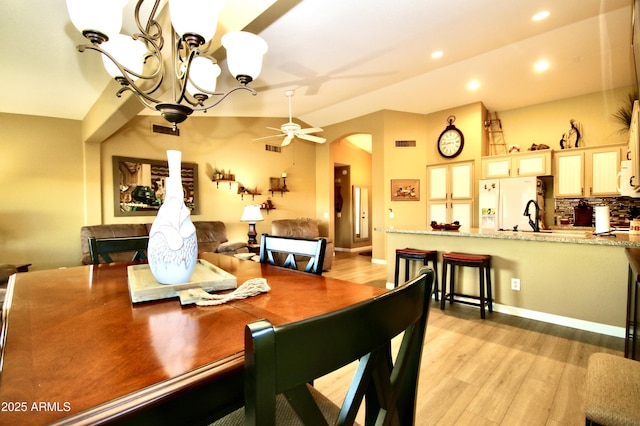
136, 61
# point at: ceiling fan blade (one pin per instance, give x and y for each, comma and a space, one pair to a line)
268, 137
310, 130
311, 138
273, 128
287, 140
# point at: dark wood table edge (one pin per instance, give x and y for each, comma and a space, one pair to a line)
131, 408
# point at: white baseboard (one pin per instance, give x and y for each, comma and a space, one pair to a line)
379, 261
578, 324
353, 250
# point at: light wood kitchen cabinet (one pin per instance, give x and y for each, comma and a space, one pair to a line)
534, 163
587, 172
450, 193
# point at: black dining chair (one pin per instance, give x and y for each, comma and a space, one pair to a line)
288, 251
103, 247
281, 361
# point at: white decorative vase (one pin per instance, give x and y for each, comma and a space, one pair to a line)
173, 246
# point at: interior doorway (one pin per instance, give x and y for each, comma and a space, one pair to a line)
352, 193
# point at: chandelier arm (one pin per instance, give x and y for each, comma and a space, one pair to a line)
125, 80
151, 23
224, 95
182, 69
146, 101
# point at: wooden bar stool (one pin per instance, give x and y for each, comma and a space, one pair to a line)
409, 254
480, 261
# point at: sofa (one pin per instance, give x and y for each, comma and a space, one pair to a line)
212, 237
303, 228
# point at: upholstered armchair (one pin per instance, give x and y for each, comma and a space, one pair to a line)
303, 228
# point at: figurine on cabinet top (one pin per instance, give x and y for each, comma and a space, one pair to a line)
573, 138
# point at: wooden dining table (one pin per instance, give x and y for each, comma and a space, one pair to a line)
76, 350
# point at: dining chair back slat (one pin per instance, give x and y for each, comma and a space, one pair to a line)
103, 247
288, 251
284, 359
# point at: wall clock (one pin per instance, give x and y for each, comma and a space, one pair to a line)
451, 140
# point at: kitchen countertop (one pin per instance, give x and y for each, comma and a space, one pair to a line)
562, 235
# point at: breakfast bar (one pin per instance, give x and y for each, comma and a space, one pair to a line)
572, 278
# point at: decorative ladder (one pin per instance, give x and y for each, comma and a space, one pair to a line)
493, 125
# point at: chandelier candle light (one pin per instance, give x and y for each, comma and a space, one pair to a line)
136, 61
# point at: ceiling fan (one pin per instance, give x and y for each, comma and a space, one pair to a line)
290, 130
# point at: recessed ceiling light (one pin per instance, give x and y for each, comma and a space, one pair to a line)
473, 85
540, 16
437, 54
541, 66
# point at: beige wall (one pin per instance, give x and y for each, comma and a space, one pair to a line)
550, 282
52, 183
223, 143
389, 162
546, 123
42, 204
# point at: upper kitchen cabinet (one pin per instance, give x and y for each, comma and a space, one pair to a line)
533, 163
450, 193
587, 172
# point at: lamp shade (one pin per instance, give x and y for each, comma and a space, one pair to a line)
252, 214
244, 53
97, 15
203, 74
195, 16
127, 51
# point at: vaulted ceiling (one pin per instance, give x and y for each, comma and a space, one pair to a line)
347, 58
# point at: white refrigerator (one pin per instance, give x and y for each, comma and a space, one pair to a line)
502, 203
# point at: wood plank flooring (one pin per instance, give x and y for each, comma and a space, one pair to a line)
504, 370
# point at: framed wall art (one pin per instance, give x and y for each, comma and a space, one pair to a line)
138, 186
405, 189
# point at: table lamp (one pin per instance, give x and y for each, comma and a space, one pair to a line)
252, 214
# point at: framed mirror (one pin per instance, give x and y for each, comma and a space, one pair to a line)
138, 186
361, 226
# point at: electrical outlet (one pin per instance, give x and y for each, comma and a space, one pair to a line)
515, 284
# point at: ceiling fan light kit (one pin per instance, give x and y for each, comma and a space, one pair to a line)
136, 62
290, 130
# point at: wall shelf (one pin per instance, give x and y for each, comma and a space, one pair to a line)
280, 190
217, 181
245, 191
267, 205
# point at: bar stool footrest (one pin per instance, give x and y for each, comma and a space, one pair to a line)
464, 299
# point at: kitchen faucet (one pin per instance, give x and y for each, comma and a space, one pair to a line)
534, 224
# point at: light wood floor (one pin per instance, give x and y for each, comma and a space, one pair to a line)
503, 370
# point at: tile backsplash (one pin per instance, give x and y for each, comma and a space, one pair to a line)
621, 208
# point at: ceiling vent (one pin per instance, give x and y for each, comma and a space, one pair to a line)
165, 130
405, 144
273, 148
